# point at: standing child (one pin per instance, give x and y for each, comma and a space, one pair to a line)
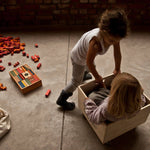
124, 100
113, 26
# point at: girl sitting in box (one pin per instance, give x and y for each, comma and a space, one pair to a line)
123, 100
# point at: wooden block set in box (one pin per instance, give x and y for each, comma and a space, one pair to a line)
25, 78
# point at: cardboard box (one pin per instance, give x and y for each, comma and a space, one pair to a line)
108, 131
25, 78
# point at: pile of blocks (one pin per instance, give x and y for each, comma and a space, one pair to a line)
10, 45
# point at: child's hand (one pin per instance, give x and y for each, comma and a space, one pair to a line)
115, 72
100, 82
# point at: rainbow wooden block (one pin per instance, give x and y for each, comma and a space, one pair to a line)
25, 78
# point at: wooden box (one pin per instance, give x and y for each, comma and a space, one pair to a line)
25, 78
108, 131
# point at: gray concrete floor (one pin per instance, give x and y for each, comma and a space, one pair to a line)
37, 122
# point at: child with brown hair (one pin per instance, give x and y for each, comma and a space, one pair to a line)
113, 26
124, 100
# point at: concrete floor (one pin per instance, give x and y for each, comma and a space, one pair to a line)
37, 122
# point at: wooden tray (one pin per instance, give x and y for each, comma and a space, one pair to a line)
25, 78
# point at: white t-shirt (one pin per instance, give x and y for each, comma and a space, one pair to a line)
79, 52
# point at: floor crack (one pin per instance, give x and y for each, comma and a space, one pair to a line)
63, 119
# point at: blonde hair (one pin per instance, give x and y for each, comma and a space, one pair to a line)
115, 22
125, 95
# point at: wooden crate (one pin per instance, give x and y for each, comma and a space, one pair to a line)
108, 131
25, 78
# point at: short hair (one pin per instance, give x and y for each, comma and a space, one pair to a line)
115, 22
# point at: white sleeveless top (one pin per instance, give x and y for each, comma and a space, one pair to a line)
79, 52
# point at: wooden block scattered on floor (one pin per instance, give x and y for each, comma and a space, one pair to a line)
25, 78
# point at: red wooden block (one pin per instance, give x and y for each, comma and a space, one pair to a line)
36, 45
9, 63
16, 45
22, 48
47, 93
36, 59
27, 55
0, 61
16, 64
32, 57
39, 65
12, 53
23, 53
17, 38
16, 51
1, 54
37, 56
2, 68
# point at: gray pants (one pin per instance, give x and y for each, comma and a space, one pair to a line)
77, 77
99, 95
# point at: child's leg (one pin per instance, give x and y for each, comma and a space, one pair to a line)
77, 77
87, 74
99, 95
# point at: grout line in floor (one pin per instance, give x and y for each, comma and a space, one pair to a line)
63, 119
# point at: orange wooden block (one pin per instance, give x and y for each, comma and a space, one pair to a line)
22, 44
2, 87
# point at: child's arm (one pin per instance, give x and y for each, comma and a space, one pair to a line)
91, 54
95, 114
117, 58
